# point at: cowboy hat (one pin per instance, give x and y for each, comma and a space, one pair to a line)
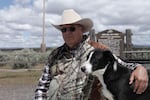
71, 17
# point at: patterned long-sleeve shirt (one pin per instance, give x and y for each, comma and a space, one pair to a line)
63, 67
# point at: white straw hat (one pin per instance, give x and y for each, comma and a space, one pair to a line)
71, 17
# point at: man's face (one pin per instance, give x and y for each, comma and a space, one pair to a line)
72, 34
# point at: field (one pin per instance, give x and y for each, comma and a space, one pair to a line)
19, 73
18, 84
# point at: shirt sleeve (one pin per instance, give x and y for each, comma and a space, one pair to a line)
43, 85
131, 66
46, 77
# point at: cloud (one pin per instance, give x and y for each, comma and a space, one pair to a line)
25, 17
22, 2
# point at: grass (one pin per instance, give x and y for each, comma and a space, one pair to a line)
19, 78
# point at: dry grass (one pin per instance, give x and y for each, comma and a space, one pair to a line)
19, 78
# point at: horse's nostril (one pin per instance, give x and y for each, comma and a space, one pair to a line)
83, 69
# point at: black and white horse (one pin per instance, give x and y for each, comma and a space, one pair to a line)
113, 76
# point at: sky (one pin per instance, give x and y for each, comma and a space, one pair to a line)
21, 20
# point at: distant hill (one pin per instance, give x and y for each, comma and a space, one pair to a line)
141, 46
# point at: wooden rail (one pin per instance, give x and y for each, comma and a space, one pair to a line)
142, 56
141, 51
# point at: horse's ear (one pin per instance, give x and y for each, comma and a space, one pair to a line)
111, 58
109, 55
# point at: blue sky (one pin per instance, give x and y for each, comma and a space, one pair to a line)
21, 20
5, 3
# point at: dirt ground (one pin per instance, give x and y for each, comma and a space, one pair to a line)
18, 92
18, 84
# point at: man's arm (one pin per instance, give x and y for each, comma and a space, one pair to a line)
43, 85
131, 66
139, 76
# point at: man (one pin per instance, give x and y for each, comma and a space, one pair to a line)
62, 71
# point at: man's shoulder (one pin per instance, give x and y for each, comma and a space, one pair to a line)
56, 50
53, 56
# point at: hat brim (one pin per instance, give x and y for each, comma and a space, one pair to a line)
86, 23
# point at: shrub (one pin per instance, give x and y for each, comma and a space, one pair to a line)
4, 58
27, 58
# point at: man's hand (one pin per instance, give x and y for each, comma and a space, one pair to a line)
140, 77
